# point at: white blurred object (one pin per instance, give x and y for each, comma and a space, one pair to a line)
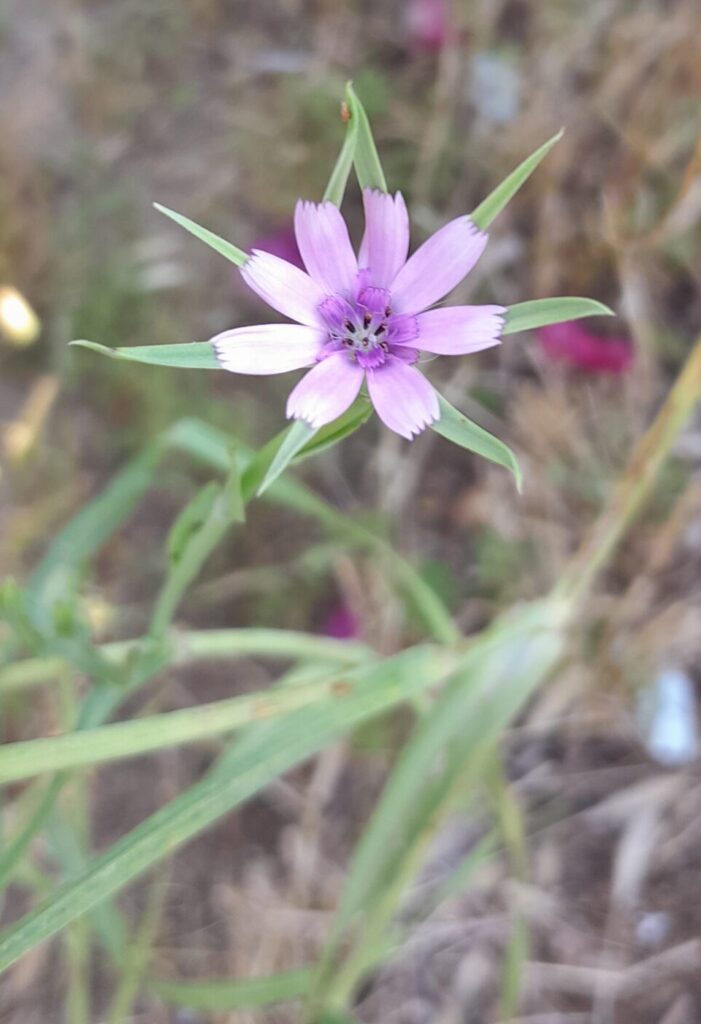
653, 928
667, 715
495, 87
18, 322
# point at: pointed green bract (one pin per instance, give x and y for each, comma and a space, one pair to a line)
336, 188
524, 316
296, 437
367, 161
220, 245
462, 431
495, 202
192, 355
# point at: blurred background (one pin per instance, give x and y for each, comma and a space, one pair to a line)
227, 111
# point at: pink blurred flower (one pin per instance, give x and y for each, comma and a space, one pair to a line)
363, 319
427, 25
280, 242
578, 346
341, 624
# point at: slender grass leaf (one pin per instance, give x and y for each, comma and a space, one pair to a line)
232, 252
296, 738
367, 161
358, 414
218, 994
191, 355
456, 427
495, 202
524, 316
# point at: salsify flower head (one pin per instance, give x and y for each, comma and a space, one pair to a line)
365, 318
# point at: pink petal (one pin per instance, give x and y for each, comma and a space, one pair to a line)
437, 266
284, 287
385, 244
427, 25
268, 348
575, 344
457, 330
326, 391
323, 240
403, 398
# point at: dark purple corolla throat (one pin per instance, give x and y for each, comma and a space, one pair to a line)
367, 329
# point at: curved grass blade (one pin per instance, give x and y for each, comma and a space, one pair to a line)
294, 739
462, 431
294, 439
524, 316
191, 355
366, 158
219, 994
336, 188
495, 202
232, 252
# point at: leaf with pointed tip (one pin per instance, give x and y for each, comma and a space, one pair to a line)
192, 355
461, 431
524, 316
232, 252
367, 161
336, 188
295, 438
495, 202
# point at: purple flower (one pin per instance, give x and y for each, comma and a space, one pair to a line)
427, 25
574, 344
280, 242
362, 319
341, 624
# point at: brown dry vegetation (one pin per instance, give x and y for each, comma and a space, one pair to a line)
227, 111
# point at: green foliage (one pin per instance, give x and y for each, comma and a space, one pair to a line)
456, 427
524, 316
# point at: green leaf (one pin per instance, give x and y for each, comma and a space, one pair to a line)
524, 316
300, 441
495, 202
232, 252
295, 438
367, 161
343, 427
192, 355
219, 994
462, 431
336, 188
281, 746
189, 521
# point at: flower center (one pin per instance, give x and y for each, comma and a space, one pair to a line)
365, 336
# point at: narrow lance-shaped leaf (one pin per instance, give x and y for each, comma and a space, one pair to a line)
336, 188
367, 161
232, 252
191, 355
495, 202
462, 431
524, 316
297, 435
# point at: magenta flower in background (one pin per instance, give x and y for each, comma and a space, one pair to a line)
365, 318
427, 25
280, 242
574, 344
341, 624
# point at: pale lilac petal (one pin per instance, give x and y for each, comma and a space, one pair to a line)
437, 266
326, 391
323, 240
385, 244
457, 330
284, 287
405, 401
268, 348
